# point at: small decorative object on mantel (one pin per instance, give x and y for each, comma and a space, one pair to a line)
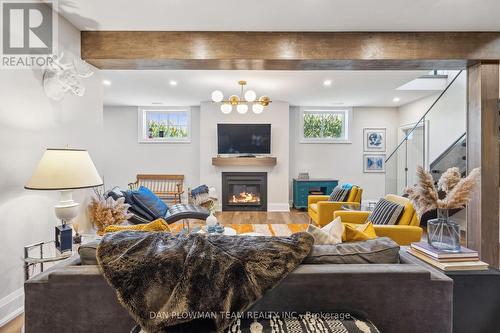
443, 233
241, 103
106, 212
303, 176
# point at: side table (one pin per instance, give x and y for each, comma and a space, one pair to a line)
42, 257
476, 299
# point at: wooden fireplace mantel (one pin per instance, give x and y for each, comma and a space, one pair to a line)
244, 161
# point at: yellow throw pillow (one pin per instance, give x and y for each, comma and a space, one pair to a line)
156, 225
362, 232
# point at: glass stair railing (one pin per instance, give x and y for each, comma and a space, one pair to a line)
434, 140
454, 156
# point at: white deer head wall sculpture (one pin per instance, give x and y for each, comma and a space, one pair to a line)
60, 78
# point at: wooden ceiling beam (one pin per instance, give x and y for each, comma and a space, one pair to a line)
287, 50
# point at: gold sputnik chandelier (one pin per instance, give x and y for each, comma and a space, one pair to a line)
241, 102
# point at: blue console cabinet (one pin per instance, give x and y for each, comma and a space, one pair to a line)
302, 188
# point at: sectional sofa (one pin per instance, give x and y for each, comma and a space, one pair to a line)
400, 297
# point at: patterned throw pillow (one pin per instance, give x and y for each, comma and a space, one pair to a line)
339, 194
304, 323
386, 212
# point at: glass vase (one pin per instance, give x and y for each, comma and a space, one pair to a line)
442, 233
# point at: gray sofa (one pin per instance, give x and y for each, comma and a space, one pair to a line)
405, 297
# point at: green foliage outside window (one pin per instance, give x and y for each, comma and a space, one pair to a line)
167, 130
323, 125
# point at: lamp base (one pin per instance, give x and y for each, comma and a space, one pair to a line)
64, 238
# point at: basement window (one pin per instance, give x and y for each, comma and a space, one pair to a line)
164, 125
325, 125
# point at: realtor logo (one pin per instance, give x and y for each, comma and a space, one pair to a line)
28, 33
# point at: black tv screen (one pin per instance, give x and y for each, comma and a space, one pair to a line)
244, 138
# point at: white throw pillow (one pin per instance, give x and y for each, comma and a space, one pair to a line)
329, 234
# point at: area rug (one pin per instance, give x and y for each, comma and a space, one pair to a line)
263, 229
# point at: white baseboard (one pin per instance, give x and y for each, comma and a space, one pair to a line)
11, 306
278, 207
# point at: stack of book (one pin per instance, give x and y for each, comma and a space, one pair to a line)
465, 260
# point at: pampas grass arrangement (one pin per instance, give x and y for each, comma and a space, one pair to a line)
106, 212
424, 194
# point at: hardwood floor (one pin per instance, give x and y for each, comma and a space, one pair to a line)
13, 326
294, 216
241, 217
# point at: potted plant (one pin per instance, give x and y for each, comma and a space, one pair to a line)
150, 129
162, 128
443, 233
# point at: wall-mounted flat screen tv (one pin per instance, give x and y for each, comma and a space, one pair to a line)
245, 139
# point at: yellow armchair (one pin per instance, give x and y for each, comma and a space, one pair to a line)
321, 211
405, 232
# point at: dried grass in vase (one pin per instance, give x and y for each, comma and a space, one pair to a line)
106, 212
424, 194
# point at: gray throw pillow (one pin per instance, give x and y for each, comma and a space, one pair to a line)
87, 253
381, 250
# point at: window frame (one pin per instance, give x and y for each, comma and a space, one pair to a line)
347, 124
142, 130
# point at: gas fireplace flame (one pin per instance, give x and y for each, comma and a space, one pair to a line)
245, 197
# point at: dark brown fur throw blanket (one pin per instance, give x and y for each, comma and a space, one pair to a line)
195, 283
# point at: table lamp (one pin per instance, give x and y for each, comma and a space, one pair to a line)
64, 170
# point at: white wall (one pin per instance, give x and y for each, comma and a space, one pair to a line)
343, 161
29, 123
125, 157
278, 181
447, 119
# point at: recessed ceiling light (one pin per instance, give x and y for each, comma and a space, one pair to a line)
396, 99
327, 83
173, 82
106, 82
157, 103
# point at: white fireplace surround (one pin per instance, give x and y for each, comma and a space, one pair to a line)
277, 114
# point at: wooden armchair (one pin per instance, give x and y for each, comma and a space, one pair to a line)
166, 187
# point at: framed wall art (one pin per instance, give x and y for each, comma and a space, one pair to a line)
374, 139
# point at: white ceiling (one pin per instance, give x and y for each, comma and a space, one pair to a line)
348, 88
284, 15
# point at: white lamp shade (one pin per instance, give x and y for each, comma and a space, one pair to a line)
250, 96
226, 108
257, 108
64, 169
217, 96
242, 108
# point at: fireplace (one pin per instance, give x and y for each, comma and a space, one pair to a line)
244, 191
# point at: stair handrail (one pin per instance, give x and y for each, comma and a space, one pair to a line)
423, 116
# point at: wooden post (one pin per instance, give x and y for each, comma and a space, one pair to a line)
483, 151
